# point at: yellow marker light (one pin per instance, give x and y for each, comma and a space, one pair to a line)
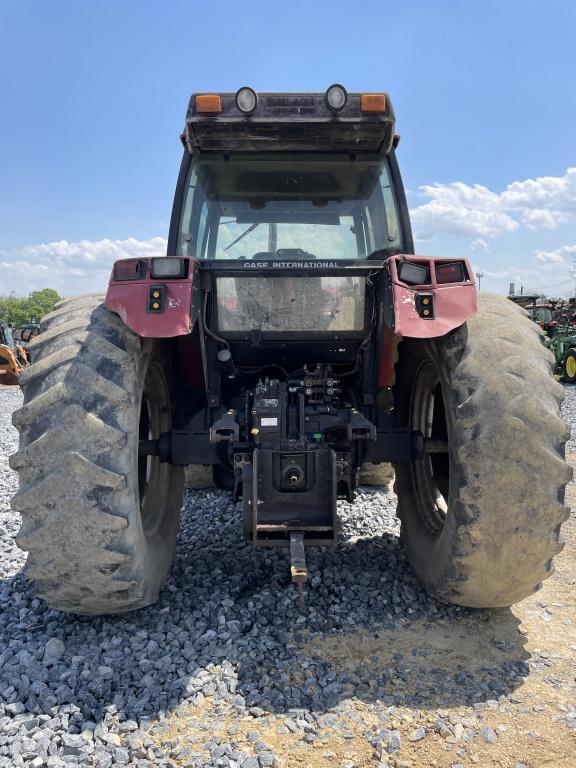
425, 301
374, 103
155, 305
426, 312
208, 102
156, 295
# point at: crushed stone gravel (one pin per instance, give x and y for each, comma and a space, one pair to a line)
227, 670
569, 414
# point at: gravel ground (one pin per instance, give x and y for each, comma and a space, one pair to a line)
569, 414
227, 670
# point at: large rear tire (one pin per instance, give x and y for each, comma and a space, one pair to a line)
98, 521
481, 511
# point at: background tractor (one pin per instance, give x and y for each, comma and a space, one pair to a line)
13, 357
24, 335
563, 345
290, 338
545, 312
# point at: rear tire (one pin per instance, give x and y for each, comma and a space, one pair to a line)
98, 521
480, 522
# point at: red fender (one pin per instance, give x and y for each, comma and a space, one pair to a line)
129, 299
453, 303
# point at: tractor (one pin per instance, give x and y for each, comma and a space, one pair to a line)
563, 345
545, 312
24, 335
289, 338
13, 357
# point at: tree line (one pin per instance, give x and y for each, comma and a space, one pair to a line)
16, 310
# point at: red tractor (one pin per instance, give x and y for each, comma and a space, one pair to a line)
289, 338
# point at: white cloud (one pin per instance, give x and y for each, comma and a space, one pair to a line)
77, 267
539, 218
479, 245
476, 211
459, 209
555, 195
557, 256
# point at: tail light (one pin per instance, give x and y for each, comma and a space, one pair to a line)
454, 272
129, 269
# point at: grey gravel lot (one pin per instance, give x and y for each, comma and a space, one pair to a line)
569, 414
227, 670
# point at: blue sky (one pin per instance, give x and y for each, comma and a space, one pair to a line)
93, 98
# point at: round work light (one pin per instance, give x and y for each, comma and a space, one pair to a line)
246, 100
336, 97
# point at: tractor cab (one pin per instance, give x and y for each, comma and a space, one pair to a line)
287, 203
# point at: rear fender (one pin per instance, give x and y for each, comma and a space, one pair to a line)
130, 299
453, 304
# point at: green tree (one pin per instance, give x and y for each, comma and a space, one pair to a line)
40, 303
16, 310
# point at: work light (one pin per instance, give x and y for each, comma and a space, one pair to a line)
168, 266
246, 100
413, 274
336, 97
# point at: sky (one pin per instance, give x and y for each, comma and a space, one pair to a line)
93, 97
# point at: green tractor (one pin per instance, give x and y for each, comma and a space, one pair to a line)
563, 345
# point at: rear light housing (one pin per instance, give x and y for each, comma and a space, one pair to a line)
453, 272
425, 305
129, 269
156, 298
168, 267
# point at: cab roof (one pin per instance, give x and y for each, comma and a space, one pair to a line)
288, 122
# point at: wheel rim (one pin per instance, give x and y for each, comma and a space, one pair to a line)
153, 475
431, 472
571, 366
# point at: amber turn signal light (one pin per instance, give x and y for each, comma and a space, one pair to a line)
374, 103
208, 102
